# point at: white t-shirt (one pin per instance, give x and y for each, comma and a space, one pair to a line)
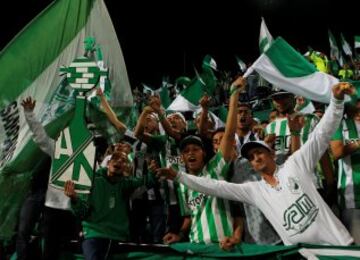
294, 208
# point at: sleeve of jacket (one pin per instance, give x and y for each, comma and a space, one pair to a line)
40, 136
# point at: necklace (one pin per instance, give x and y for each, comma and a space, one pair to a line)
277, 185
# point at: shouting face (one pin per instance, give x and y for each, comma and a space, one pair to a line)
193, 155
177, 122
244, 117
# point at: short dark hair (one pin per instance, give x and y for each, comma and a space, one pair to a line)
191, 139
218, 130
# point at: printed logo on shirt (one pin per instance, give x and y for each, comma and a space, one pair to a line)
174, 159
293, 185
282, 143
300, 215
112, 202
195, 202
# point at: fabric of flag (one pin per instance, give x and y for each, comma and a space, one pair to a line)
345, 45
30, 64
334, 49
307, 107
287, 69
265, 38
241, 64
164, 93
203, 83
357, 42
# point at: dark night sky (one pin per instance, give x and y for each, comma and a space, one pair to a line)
171, 37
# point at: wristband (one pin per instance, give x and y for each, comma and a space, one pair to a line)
295, 132
233, 90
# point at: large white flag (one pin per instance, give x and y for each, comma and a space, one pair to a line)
287, 69
29, 67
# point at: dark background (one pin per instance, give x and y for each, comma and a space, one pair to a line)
171, 37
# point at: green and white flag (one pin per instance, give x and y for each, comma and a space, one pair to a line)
265, 38
30, 65
241, 64
162, 92
357, 42
334, 49
307, 107
204, 83
345, 46
287, 69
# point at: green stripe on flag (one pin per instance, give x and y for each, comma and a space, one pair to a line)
263, 44
288, 61
39, 45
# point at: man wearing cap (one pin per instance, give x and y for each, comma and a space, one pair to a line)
345, 146
286, 194
256, 229
210, 218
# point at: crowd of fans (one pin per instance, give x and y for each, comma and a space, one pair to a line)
131, 202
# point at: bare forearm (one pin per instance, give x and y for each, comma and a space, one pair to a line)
228, 138
110, 114
328, 170
295, 143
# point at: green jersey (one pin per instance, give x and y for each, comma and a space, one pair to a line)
211, 218
105, 210
349, 166
280, 128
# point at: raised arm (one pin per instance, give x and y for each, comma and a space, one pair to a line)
110, 114
230, 128
310, 153
221, 189
79, 204
204, 115
155, 104
40, 137
139, 131
340, 150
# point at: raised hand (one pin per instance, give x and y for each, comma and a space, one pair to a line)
239, 83
28, 104
99, 92
204, 102
69, 189
295, 122
168, 173
342, 88
155, 103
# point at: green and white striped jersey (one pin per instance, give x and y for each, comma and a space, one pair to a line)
280, 128
211, 218
349, 166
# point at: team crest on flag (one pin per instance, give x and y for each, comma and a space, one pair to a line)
74, 151
82, 74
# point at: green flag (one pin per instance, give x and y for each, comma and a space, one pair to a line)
54, 38
203, 83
